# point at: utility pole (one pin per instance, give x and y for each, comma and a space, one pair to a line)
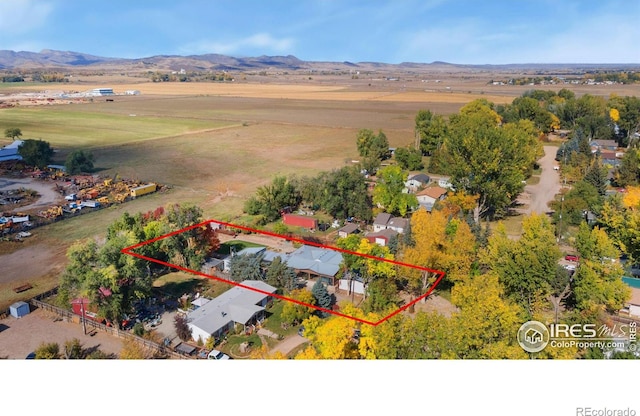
84, 322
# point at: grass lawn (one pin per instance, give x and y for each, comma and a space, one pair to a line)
232, 347
178, 283
274, 321
238, 245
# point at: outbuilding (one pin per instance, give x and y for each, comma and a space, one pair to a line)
19, 309
300, 221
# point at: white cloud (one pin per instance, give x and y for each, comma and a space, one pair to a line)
23, 16
263, 42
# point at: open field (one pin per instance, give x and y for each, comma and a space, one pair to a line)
74, 126
214, 144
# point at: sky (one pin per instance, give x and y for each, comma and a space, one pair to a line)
394, 31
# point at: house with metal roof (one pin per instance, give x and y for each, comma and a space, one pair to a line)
10, 151
238, 305
312, 262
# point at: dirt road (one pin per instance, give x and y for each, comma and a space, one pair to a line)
48, 194
543, 192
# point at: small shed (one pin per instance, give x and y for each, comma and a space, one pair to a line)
185, 349
19, 309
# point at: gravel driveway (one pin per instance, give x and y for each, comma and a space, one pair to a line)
539, 195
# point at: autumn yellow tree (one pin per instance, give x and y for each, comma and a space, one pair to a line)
263, 353
294, 312
333, 338
486, 325
525, 267
440, 243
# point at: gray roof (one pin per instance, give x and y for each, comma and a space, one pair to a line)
237, 304
420, 177
386, 233
349, 228
398, 222
321, 261
250, 251
382, 218
600, 142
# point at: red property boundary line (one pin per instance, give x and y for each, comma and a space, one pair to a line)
129, 251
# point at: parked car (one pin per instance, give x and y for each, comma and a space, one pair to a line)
217, 355
571, 257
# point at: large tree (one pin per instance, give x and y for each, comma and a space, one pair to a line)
79, 161
246, 267
439, 243
409, 158
526, 267
13, 133
343, 194
280, 275
598, 279
371, 145
388, 193
488, 159
36, 152
270, 199
431, 130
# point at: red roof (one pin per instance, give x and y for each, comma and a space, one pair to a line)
434, 192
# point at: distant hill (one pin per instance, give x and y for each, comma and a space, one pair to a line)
51, 59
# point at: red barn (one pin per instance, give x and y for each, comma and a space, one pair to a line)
300, 221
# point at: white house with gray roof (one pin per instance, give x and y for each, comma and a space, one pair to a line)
238, 305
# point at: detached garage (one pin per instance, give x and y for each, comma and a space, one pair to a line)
19, 309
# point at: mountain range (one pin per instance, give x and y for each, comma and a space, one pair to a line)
52, 60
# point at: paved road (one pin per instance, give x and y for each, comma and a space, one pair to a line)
544, 191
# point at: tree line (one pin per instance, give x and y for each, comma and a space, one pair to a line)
113, 281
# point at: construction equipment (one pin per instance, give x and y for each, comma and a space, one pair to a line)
52, 212
120, 198
103, 200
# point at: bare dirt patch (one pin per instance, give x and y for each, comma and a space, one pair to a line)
30, 262
48, 194
22, 336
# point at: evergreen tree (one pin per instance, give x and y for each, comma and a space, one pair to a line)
322, 296
280, 275
596, 175
246, 267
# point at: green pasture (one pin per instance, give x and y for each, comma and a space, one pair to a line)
69, 127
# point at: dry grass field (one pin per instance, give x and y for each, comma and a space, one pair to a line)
215, 143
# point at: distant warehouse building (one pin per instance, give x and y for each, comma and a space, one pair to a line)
99, 92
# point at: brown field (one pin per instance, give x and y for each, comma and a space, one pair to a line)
236, 137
